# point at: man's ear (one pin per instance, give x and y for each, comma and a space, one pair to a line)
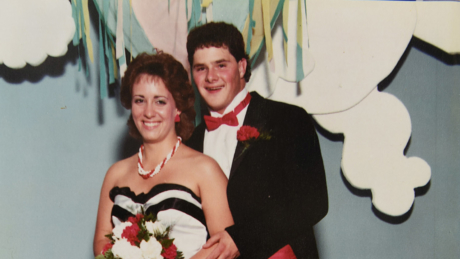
242, 64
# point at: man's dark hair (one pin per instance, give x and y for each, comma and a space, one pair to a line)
219, 35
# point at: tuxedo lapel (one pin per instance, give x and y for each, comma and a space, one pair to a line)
255, 117
197, 139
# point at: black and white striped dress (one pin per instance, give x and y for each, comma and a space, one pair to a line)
175, 205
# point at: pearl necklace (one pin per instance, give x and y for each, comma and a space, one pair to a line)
147, 174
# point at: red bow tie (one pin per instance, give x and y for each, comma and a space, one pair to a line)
230, 118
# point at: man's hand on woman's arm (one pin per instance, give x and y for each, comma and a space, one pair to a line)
225, 248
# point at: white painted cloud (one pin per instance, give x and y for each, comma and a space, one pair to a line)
376, 132
355, 45
31, 30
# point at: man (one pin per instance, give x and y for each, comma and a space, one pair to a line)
277, 186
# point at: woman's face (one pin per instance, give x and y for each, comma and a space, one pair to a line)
153, 109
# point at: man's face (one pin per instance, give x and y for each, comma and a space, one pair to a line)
218, 76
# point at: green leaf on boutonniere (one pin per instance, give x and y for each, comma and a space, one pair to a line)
249, 135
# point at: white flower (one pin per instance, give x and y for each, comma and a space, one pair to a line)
151, 249
155, 227
123, 249
118, 230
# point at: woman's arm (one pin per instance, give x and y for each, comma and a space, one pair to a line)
213, 191
103, 223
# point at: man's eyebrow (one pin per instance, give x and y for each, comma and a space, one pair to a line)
221, 61
198, 65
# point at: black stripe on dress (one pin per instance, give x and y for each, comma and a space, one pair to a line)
171, 203
142, 198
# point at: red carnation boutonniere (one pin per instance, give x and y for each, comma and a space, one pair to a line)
249, 135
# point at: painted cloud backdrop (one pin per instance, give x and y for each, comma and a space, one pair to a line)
32, 30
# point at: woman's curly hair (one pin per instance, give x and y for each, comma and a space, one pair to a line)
176, 80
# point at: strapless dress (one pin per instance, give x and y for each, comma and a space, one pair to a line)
175, 205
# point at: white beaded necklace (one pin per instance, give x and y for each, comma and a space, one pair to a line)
147, 174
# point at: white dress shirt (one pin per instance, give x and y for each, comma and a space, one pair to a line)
220, 143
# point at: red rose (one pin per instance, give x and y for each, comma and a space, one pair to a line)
170, 252
107, 247
130, 233
135, 219
246, 133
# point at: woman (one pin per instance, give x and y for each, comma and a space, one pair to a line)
166, 177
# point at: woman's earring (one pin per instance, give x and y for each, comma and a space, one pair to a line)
177, 118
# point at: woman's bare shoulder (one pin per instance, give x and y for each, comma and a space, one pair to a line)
120, 168
201, 163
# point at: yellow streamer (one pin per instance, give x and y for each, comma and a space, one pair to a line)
267, 29
299, 23
206, 3
114, 60
89, 43
285, 27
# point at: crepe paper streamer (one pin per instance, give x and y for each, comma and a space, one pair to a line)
267, 28
258, 38
89, 43
166, 31
285, 26
123, 65
83, 32
78, 16
120, 40
195, 16
77, 35
305, 60
120, 44
251, 25
102, 72
119, 21
302, 41
114, 61
206, 3
234, 12
209, 13
108, 45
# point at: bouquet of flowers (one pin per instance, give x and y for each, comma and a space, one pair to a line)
140, 237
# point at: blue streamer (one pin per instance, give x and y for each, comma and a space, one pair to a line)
299, 64
108, 49
103, 75
195, 16
252, 24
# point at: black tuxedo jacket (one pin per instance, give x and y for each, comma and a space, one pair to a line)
277, 187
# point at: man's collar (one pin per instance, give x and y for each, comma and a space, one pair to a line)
237, 100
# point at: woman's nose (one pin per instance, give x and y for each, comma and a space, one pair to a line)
149, 110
